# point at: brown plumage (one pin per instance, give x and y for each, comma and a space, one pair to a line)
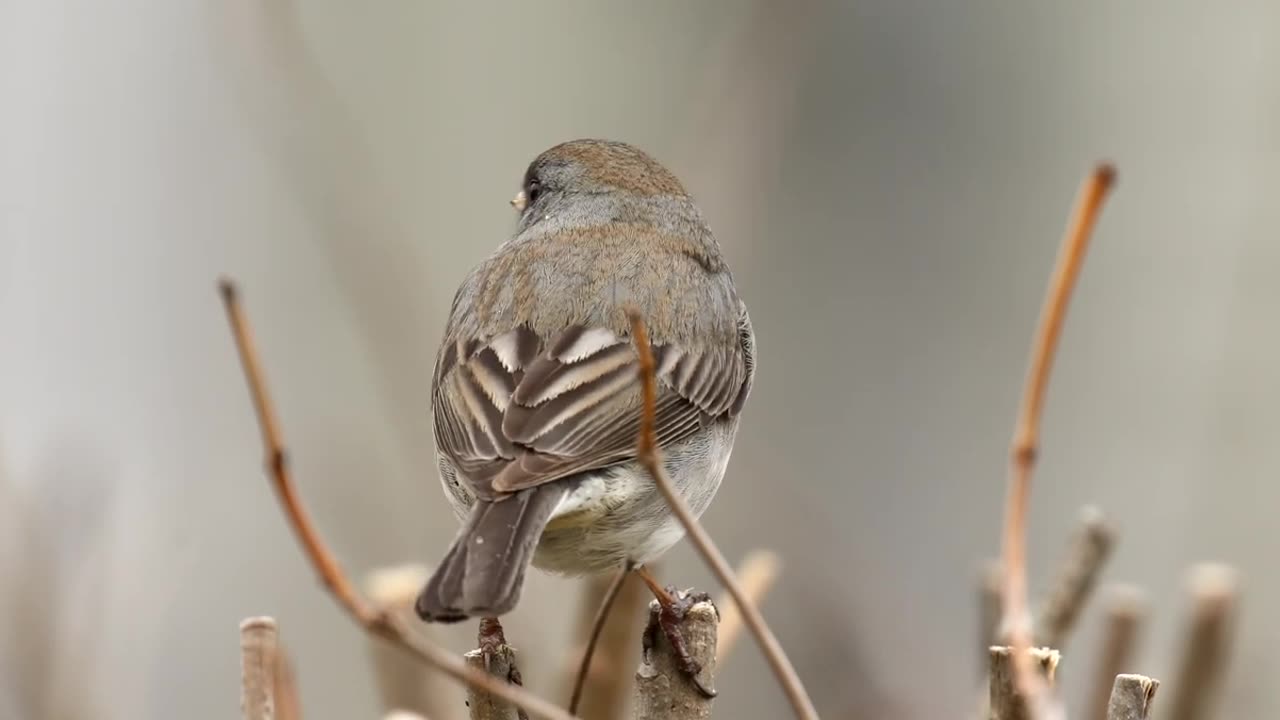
536, 399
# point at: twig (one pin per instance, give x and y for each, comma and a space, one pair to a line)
288, 706
1213, 592
662, 693
757, 573
404, 683
1007, 701
1126, 609
649, 456
384, 625
1131, 697
1076, 579
257, 668
1026, 436
498, 659
608, 692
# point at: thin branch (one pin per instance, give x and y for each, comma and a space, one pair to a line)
288, 705
258, 668
1131, 697
649, 456
1126, 609
1076, 579
384, 625
1214, 591
593, 635
1026, 437
404, 683
758, 572
661, 692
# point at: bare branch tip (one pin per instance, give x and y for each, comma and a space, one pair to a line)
227, 288
376, 622
1105, 174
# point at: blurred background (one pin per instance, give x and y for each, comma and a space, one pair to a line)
889, 181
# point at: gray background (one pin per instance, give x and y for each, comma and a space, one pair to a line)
889, 180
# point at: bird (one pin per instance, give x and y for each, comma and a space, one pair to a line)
536, 397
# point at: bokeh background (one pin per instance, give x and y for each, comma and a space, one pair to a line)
889, 180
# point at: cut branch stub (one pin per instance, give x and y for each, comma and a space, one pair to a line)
500, 662
1131, 697
662, 692
1007, 703
258, 648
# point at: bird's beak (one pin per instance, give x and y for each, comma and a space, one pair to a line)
520, 201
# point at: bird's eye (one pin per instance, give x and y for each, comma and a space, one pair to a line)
534, 189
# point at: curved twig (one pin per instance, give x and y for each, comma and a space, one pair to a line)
597, 627
1026, 437
388, 626
649, 456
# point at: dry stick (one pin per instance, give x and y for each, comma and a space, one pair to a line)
384, 625
1006, 701
403, 682
649, 456
662, 692
1026, 437
1131, 697
1214, 589
497, 658
1126, 609
607, 599
483, 705
1079, 574
758, 572
258, 668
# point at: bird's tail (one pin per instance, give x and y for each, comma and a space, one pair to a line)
483, 571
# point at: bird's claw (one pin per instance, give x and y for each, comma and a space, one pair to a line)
667, 619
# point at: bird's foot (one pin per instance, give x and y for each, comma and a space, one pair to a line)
666, 619
492, 642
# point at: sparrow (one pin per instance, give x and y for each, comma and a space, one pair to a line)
536, 395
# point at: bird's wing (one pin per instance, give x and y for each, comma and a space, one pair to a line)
518, 410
